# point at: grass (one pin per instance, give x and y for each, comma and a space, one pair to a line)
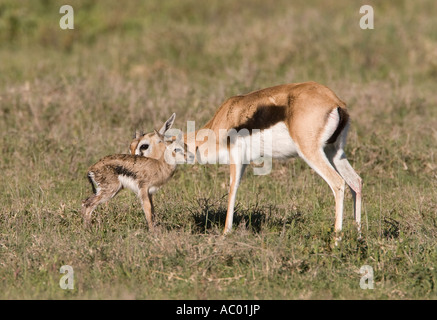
70, 97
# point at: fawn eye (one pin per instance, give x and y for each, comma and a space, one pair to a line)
144, 147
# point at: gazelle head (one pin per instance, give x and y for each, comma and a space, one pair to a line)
136, 139
177, 150
155, 144
148, 145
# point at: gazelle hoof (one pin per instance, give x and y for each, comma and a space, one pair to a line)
337, 240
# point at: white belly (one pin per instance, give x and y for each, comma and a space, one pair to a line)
274, 142
129, 183
283, 145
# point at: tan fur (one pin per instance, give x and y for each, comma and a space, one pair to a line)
141, 174
150, 140
305, 109
298, 104
134, 143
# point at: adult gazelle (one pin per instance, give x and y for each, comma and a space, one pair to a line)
299, 119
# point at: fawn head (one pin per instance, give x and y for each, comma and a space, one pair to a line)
155, 144
150, 144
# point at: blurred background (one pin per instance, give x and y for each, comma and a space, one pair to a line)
193, 55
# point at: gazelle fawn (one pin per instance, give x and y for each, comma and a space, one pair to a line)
144, 173
306, 120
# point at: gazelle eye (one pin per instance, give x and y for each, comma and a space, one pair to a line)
144, 147
178, 150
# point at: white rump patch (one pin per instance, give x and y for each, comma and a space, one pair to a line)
153, 190
96, 185
331, 125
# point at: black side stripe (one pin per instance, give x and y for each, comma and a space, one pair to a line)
120, 170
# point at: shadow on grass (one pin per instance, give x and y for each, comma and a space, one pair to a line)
208, 215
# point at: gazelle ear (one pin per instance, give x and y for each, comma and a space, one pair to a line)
138, 134
160, 136
167, 125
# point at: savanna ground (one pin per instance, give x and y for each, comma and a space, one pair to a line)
70, 97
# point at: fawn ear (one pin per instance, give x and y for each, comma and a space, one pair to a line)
167, 125
138, 134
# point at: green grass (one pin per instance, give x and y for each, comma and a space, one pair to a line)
70, 97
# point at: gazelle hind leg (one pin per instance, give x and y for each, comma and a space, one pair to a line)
88, 207
318, 161
90, 204
337, 157
353, 180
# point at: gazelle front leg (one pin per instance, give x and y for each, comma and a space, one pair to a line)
236, 170
146, 202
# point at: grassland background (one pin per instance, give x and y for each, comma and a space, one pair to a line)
70, 97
